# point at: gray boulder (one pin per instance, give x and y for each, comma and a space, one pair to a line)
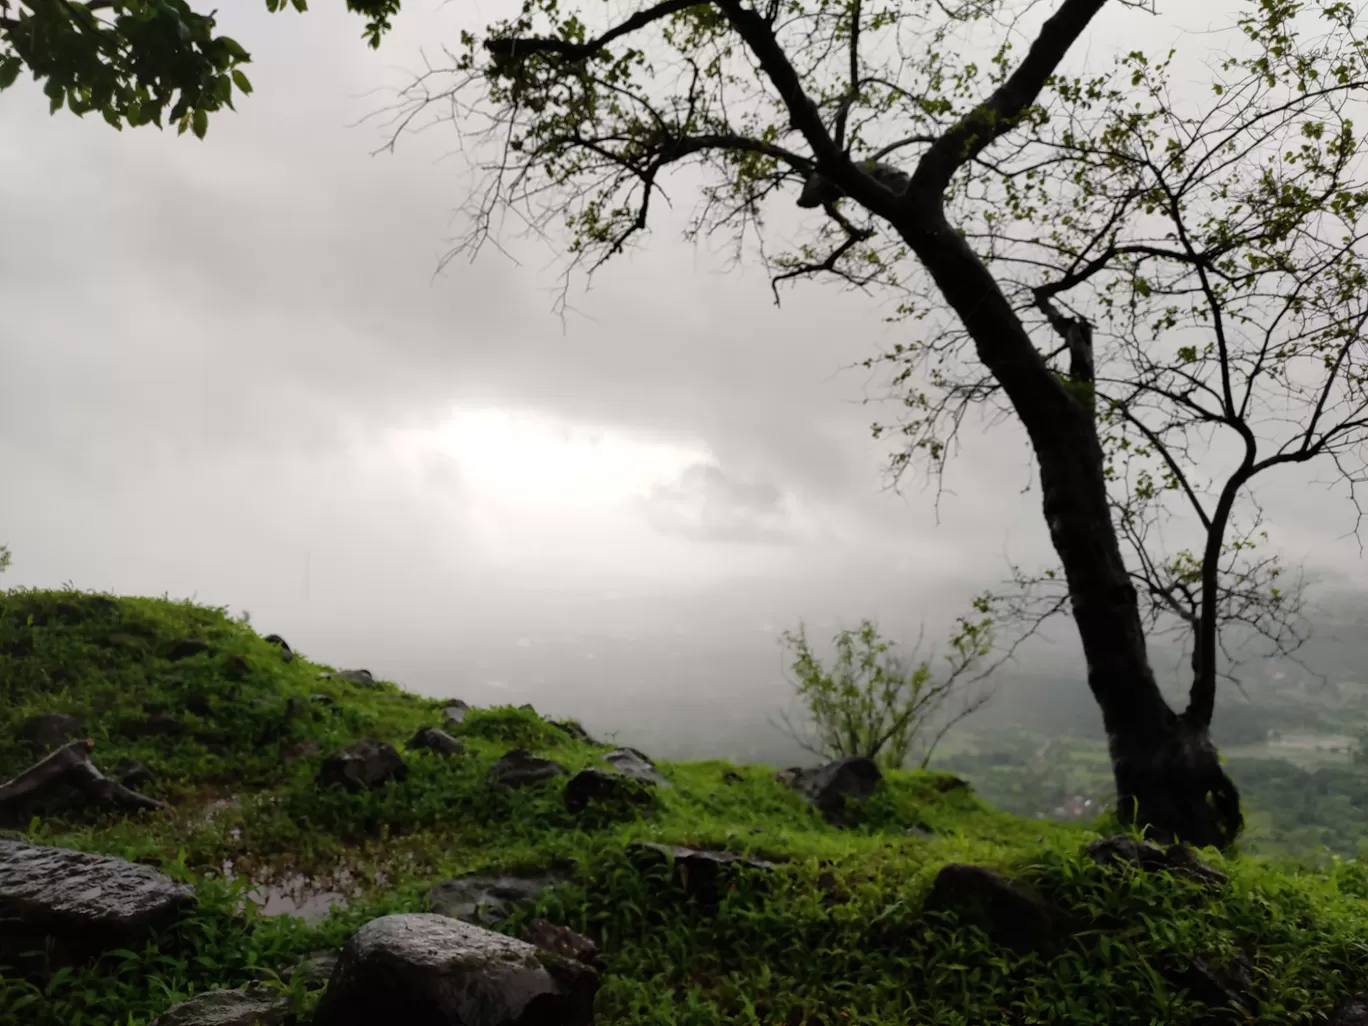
632, 763
1178, 859
362, 765
49, 730
427, 970
85, 903
286, 653
255, 1006
434, 740
455, 712
519, 768
828, 787
489, 900
1011, 915
601, 787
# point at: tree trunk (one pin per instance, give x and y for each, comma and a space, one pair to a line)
1168, 777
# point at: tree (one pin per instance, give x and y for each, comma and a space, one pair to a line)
1118, 271
4, 558
883, 704
128, 60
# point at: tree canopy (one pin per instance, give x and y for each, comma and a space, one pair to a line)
137, 62
1125, 268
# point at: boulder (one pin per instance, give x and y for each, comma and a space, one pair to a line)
827, 787
361, 765
133, 773
698, 872
1353, 1012
427, 970
361, 677
314, 969
286, 653
188, 647
1178, 859
519, 768
49, 730
1225, 988
255, 1006
1009, 914
561, 939
455, 712
632, 763
596, 785
85, 903
489, 900
300, 750
434, 740
574, 730
732, 777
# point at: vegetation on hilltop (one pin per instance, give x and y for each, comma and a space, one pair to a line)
834, 934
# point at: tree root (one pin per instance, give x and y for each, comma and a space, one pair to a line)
69, 765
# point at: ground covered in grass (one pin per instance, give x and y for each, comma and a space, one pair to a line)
232, 735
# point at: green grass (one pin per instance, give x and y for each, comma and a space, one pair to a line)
773, 951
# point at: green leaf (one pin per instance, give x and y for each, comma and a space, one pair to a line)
9, 71
241, 81
199, 123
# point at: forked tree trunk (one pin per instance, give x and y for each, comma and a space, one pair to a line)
1168, 777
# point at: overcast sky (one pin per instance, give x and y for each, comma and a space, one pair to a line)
230, 373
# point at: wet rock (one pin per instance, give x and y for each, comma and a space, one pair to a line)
949, 783
519, 768
1010, 914
361, 765
255, 1006
1177, 859
361, 677
561, 939
828, 787
732, 777
321, 699
313, 969
528, 707
572, 728
1225, 989
434, 740
489, 900
787, 776
596, 785
50, 730
427, 970
699, 872
188, 647
133, 773
634, 764
300, 750
455, 712
1353, 1012
286, 653
85, 903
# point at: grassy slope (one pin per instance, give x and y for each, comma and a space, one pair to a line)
773, 953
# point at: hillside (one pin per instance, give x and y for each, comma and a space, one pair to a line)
841, 914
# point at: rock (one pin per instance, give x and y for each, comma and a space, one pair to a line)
427, 970
634, 764
489, 900
1353, 1012
455, 712
50, 730
519, 768
361, 677
787, 776
188, 647
435, 740
1009, 914
362, 764
86, 903
313, 969
286, 653
828, 787
1224, 989
833, 893
561, 939
1178, 859
320, 699
596, 785
255, 1006
918, 830
133, 773
528, 707
300, 750
698, 872
732, 777
949, 783
574, 730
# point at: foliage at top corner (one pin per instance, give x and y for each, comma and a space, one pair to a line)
138, 62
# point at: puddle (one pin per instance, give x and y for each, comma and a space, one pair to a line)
304, 897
